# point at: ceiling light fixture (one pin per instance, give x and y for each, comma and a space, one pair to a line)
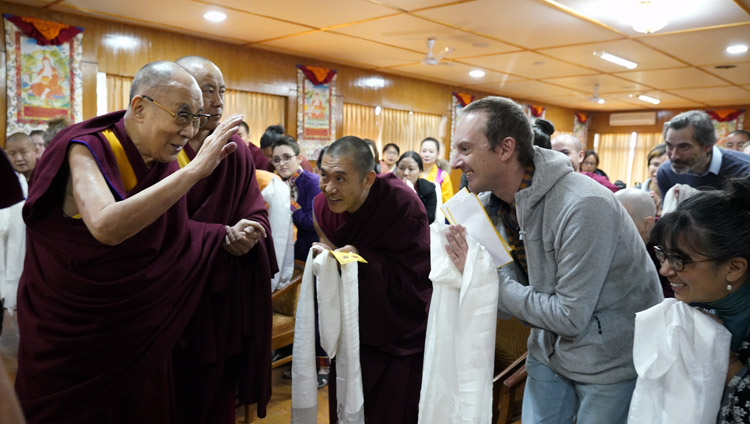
476, 73
617, 60
649, 99
647, 17
737, 49
214, 16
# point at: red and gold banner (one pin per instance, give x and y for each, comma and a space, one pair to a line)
44, 78
45, 32
536, 111
725, 121
317, 75
581, 126
463, 98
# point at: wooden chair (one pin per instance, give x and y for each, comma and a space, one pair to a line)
284, 312
510, 357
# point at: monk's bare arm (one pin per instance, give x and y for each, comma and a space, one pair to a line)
112, 222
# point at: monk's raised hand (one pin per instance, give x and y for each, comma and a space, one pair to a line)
216, 146
457, 247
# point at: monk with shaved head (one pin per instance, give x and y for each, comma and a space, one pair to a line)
227, 353
115, 268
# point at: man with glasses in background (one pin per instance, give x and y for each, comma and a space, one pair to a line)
115, 269
227, 353
694, 158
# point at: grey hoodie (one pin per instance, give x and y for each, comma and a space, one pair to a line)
589, 273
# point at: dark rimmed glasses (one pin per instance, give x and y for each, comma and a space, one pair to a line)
676, 262
183, 117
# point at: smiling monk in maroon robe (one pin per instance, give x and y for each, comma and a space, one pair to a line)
114, 268
226, 353
382, 220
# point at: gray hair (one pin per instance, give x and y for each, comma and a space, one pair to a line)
705, 133
505, 118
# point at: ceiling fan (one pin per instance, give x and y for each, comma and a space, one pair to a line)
433, 59
595, 98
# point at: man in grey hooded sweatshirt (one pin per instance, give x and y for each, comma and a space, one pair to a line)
584, 271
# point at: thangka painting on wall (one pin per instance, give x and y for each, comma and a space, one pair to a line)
535, 111
316, 127
581, 126
726, 121
43, 73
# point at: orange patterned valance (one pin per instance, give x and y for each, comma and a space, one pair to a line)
45, 32
581, 117
725, 115
463, 98
536, 111
317, 75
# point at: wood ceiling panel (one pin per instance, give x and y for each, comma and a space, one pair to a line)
607, 84
667, 100
530, 24
186, 17
704, 47
410, 32
316, 14
645, 57
526, 89
582, 103
527, 65
740, 74
348, 50
418, 4
458, 74
717, 96
681, 14
672, 78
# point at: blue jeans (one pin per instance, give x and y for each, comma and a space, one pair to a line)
550, 398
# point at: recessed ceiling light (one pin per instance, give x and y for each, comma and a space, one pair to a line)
649, 99
476, 73
617, 60
214, 16
737, 49
600, 101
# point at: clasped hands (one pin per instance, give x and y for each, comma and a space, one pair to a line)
243, 236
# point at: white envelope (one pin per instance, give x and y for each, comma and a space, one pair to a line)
464, 208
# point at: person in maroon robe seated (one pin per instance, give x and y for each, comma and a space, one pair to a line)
114, 267
570, 146
227, 352
381, 219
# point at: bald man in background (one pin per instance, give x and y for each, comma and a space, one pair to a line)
22, 153
642, 210
227, 350
114, 268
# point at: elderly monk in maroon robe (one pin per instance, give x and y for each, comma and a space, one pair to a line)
227, 351
114, 267
382, 220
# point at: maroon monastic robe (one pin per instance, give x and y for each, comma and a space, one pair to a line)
390, 231
98, 323
226, 351
11, 192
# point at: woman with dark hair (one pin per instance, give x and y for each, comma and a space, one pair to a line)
430, 154
543, 130
390, 156
704, 250
408, 168
656, 157
591, 163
